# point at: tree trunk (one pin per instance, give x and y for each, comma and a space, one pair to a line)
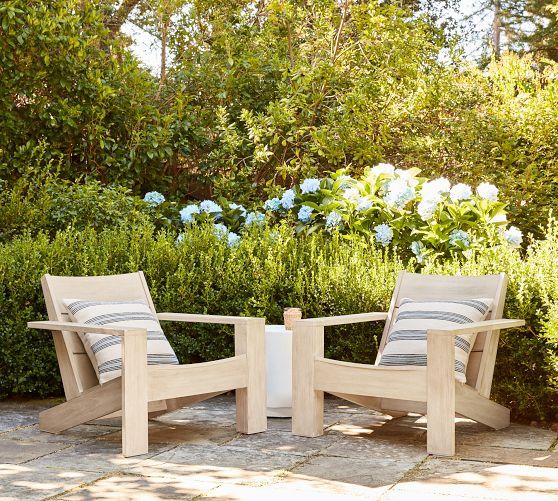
496, 29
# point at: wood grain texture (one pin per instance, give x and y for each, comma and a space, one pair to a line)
308, 400
174, 381
369, 380
134, 393
205, 319
93, 403
469, 403
251, 398
440, 396
475, 327
345, 319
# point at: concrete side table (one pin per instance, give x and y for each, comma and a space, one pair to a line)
278, 347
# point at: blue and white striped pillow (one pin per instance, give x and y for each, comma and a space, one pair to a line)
406, 344
105, 352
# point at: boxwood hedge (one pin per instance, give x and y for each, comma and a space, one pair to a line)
265, 272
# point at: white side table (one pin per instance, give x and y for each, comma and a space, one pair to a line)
279, 348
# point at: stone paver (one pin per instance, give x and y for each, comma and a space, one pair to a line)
196, 453
21, 451
24, 482
127, 487
367, 472
453, 479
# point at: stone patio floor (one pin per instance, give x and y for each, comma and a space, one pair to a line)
195, 453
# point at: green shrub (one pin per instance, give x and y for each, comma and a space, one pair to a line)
265, 272
43, 202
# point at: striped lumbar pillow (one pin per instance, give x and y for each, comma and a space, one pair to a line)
406, 344
105, 352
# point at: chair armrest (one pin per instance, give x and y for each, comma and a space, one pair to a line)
205, 319
343, 319
485, 325
75, 327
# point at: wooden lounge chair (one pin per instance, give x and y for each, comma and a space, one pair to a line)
431, 390
141, 389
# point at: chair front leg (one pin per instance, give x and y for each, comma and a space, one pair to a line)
134, 393
308, 403
251, 411
440, 403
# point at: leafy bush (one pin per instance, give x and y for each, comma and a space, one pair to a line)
40, 201
265, 272
69, 83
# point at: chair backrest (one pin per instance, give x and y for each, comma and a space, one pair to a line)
75, 367
480, 368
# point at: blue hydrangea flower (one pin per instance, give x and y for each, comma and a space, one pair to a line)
273, 204
310, 186
333, 220
287, 200
255, 218
233, 239
220, 231
460, 192
154, 198
304, 213
459, 236
188, 212
399, 193
487, 191
210, 207
241, 208
416, 248
384, 234
513, 236
427, 208
363, 204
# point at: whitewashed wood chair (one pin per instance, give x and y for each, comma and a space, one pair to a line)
143, 389
431, 390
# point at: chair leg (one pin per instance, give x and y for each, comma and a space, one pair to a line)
251, 412
134, 393
440, 395
308, 403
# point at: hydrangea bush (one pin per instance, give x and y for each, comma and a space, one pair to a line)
394, 207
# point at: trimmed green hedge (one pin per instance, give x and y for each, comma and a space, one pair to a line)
267, 271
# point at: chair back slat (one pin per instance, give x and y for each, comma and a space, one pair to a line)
429, 287
75, 367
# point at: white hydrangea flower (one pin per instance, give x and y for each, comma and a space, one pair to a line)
460, 192
514, 236
487, 191
427, 208
351, 193
399, 193
188, 212
407, 176
380, 169
433, 190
